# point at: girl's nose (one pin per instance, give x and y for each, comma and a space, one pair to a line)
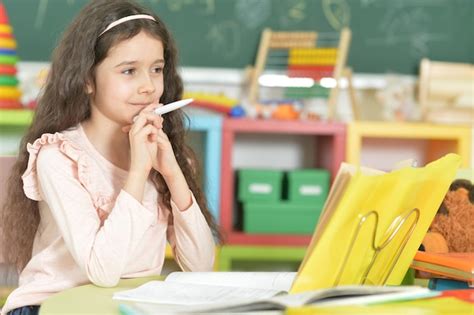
146, 85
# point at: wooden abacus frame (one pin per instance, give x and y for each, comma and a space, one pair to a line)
286, 40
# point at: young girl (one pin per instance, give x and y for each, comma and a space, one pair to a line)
101, 183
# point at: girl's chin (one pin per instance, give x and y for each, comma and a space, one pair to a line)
127, 122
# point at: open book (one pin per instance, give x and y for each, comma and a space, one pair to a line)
193, 288
250, 291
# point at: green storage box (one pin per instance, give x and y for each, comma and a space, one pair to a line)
259, 185
281, 217
308, 185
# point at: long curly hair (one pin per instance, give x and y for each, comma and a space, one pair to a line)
63, 103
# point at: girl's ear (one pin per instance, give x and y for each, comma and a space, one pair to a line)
89, 87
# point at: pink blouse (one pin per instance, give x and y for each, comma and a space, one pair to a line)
93, 231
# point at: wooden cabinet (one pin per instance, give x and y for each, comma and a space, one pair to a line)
329, 139
210, 129
432, 141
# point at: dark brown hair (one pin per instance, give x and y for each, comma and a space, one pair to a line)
64, 103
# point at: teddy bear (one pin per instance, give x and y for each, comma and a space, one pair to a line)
452, 229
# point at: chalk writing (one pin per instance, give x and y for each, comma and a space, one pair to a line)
407, 25
206, 6
297, 10
178, 5
224, 38
292, 12
337, 12
366, 3
253, 13
42, 7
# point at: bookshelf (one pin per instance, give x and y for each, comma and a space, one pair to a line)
210, 128
329, 153
437, 140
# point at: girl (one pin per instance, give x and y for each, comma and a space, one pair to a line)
101, 183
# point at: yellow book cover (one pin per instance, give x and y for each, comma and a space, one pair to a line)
376, 226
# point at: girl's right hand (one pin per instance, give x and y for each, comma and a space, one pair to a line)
143, 140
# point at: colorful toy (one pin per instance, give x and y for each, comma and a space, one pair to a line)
215, 102
285, 112
10, 94
452, 229
308, 65
237, 111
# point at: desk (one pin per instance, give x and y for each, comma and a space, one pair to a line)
90, 299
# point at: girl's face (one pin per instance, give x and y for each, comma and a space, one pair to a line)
128, 79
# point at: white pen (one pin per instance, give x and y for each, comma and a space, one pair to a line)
169, 107
172, 106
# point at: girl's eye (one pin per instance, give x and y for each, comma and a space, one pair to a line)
158, 70
129, 71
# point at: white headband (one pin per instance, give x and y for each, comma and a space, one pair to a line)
127, 18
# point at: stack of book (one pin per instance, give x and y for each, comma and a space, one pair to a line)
457, 266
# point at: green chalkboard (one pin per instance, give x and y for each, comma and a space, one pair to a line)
387, 35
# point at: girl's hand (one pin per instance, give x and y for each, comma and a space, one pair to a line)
165, 162
167, 165
143, 135
151, 147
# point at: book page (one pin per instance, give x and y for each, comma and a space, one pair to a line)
340, 293
376, 298
203, 299
279, 281
161, 292
281, 302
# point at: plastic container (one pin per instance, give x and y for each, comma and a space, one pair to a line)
280, 217
259, 185
308, 185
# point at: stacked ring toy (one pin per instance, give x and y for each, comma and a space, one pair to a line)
10, 93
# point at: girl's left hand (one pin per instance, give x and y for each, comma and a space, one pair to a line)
165, 162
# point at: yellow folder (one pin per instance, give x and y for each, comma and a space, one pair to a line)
376, 226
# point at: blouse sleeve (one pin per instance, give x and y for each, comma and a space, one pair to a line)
191, 238
101, 250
